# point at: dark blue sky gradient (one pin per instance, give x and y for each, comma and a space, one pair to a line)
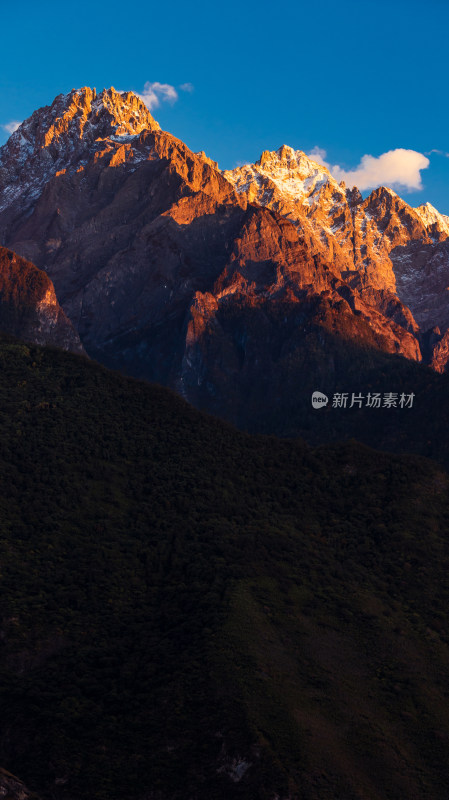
349, 77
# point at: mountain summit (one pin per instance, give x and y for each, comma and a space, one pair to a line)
382, 246
290, 171
63, 137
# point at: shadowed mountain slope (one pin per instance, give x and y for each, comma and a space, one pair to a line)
29, 308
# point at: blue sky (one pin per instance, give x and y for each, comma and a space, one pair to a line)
350, 78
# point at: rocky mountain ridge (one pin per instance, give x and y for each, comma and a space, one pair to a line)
206, 281
380, 244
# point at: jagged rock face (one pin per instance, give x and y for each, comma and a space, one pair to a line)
62, 138
29, 308
296, 187
127, 240
380, 243
158, 258
251, 340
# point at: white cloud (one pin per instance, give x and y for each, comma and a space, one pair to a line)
438, 152
12, 126
319, 155
155, 93
400, 168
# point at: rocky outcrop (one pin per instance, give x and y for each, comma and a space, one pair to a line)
29, 308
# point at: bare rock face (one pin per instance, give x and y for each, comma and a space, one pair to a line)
125, 220
29, 308
393, 256
174, 271
59, 139
356, 235
252, 338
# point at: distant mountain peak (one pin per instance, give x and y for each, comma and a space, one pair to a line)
432, 218
286, 171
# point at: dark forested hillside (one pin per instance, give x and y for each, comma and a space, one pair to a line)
190, 612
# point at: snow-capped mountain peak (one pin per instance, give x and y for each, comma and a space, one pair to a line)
81, 114
290, 172
64, 136
432, 218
